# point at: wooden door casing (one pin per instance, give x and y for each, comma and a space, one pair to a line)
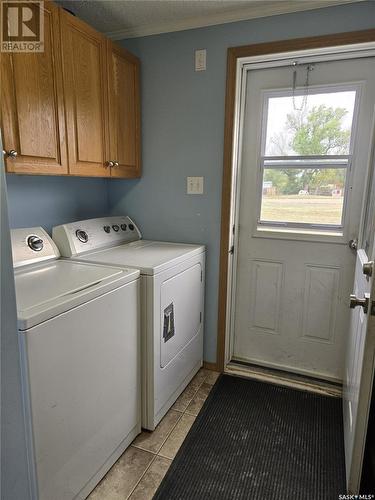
33, 121
124, 111
84, 63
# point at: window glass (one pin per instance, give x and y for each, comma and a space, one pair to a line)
306, 141
319, 124
305, 196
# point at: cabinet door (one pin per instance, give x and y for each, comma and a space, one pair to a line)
124, 111
84, 62
32, 106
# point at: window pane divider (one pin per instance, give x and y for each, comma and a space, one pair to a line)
308, 157
300, 225
304, 164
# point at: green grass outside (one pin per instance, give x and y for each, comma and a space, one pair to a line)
296, 208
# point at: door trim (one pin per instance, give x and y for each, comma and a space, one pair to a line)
237, 58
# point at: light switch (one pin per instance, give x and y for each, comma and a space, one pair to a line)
194, 185
200, 60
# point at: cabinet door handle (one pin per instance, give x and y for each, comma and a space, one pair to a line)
12, 153
115, 163
110, 163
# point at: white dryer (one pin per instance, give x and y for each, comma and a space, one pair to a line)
172, 301
78, 328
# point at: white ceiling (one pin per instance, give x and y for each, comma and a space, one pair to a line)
130, 18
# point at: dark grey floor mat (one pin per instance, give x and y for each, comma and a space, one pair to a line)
254, 440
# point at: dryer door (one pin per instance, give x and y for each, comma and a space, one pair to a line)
180, 312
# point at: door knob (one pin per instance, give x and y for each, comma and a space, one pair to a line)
355, 301
110, 163
115, 163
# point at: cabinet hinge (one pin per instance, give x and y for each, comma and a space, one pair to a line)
372, 309
200, 317
201, 275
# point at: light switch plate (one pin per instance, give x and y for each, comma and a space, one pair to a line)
200, 60
194, 185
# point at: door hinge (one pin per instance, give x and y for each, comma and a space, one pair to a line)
201, 275
200, 317
372, 308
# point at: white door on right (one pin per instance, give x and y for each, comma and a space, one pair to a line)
304, 165
360, 355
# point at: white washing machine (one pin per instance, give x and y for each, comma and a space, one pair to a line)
78, 328
172, 301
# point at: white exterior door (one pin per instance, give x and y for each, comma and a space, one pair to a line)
360, 354
303, 169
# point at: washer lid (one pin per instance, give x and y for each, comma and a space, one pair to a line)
46, 290
150, 257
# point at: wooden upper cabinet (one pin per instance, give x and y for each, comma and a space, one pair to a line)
74, 108
84, 64
124, 111
32, 107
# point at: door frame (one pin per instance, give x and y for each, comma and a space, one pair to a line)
263, 54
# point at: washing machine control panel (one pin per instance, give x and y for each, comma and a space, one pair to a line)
32, 245
93, 234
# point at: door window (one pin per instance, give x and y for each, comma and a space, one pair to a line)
306, 155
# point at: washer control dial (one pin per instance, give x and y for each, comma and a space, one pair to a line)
35, 243
131, 227
115, 227
123, 227
82, 235
107, 229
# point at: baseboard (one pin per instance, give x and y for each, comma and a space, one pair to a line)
210, 366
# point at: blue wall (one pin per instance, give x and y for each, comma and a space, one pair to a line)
49, 201
183, 124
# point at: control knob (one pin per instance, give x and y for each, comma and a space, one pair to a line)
131, 227
35, 243
82, 235
115, 227
123, 227
107, 229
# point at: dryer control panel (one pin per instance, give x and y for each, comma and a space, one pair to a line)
84, 236
31, 246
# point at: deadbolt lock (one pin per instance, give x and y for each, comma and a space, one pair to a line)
353, 245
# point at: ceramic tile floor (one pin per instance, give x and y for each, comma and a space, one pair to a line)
138, 472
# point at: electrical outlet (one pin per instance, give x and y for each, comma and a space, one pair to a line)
194, 185
200, 60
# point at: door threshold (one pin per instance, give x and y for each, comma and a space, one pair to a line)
285, 379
